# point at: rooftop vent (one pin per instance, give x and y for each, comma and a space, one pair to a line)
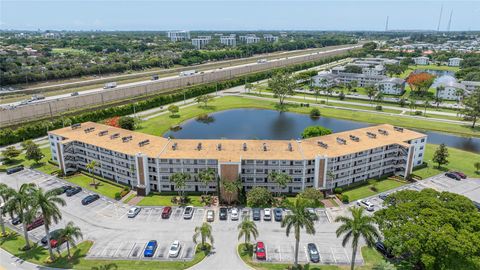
199, 146
244, 146
219, 147
174, 146
290, 147
371, 135
341, 141
144, 142
127, 139
265, 147
354, 138
322, 144
103, 133
88, 130
399, 129
114, 136
383, 131
75, 126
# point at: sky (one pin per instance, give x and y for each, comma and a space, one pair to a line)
228, 15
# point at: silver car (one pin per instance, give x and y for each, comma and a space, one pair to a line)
188, 212
133, 212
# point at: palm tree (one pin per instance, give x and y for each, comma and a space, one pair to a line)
426, 103
207, 176
282, 179
299, 219
205, 233
247, 229
70, 234
329, 92
316, 92
371, 92
91, 168
47, 203
230, 188
359, 225
5, 194
180, 181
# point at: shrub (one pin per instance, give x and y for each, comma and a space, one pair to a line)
127, 122
315, 113
314, 131
378, 108
338, 190
259, 197
118, 196
345, 199
418, 113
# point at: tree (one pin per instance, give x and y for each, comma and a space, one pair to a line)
205, 233
230, 188
282, 85
329, 92
203, 99
5, 194
10, 153
420, 82
472, 106
313, 196
281, 179
127, 122
438, 99
26, 144
173, 109
316, 92
315, 131
70, 234
371, 92
426, 104
47, 204
34, 153
356, 227
299, 219
91, 169
315, 113
207, 176
384, 265
437, 230
247, 229
248, 87
379, 97
179, 179
353, 69
370, 46
477, 166
441, 155
259, 197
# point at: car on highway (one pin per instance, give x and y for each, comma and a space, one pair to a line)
150, 248
277, 214
210, 215
90, 198
380, 246
267, 214
166, 212
234, 215
223, 213
188, 212
313, 253
133, 212
73, 191
256, 215
366, 204
35, 223
462, 175
174, 250
453, 176
260, 251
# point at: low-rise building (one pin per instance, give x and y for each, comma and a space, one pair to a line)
201, 41
451, 91
325, 79
249, 39
391, 86
228, 40
178, 35
470, 85
270, 38
454, 62
422, 60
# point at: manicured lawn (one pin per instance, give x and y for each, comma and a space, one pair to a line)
14, 242
131, 196
459, 161
103, 187
366, 191
42, 165
166, 200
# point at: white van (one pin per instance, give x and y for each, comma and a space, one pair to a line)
366, 204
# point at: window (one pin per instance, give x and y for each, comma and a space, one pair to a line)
423, 140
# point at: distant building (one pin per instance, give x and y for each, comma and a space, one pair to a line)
51, 35
392, 86
422, 60
228, 40
178, 35
249, 39
325, 79
200, 42
270, 38
454, 62
452, 91
470, 85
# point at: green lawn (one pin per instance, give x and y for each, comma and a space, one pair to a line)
42, 165
166, 200
366, 191
459, 161
103, 187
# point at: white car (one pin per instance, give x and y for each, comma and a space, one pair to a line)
133, 212
210, 215
234, 214
267, 214
366, 204
188, 212
174, 249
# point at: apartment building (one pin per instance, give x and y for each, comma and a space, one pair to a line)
452, 91
228, 40
249, 39
178, 35
270, 38
391, 86
454, 62
422, 60
470, 85
201, 41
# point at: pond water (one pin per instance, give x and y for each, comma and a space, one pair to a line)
274, 125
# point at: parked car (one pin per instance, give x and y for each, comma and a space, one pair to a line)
166, 212
267, 214
53, 235
210, 215
462, 175
73, 191
188, 212
174, 250
74, 94
35, 223
260, 251
313, 252
256, 215
16, 220
384, 250
15, 169
64, 189
223, 214
453, 176
312, 213
277, 214
150, 248
366, 204
234, 215
383, 196
133, 212
90, 198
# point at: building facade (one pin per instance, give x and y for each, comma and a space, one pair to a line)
422, 60
228, 40
392, 86
200, 42
451, 91
147, 162
178, 35
454, 62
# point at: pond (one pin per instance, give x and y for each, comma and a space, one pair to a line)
274, 125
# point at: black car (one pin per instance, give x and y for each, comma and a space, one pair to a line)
64, 189
384, 250
277, 214
14, 169
453, 176
73, 191
53, 236
16, 220
256, 214
223, 214
313, 253
477, 204
90, 198
383, 196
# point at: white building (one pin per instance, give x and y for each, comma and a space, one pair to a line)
249, 39
452, 91
392, 86
200, 43
228, 40
454, 62
422, 60
178, 35
471, 85
325, 79
270, 38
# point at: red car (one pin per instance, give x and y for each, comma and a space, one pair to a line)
36, 223
462, 175
166, 212
260, 251
54, 242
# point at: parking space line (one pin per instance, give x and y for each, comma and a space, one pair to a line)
333, 255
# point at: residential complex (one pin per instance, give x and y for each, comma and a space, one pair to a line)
454, 62
201, 41
421, 60
178, 35
228, 40
147, 162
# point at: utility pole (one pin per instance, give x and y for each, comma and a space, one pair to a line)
440, 18
386, 25
450, 21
